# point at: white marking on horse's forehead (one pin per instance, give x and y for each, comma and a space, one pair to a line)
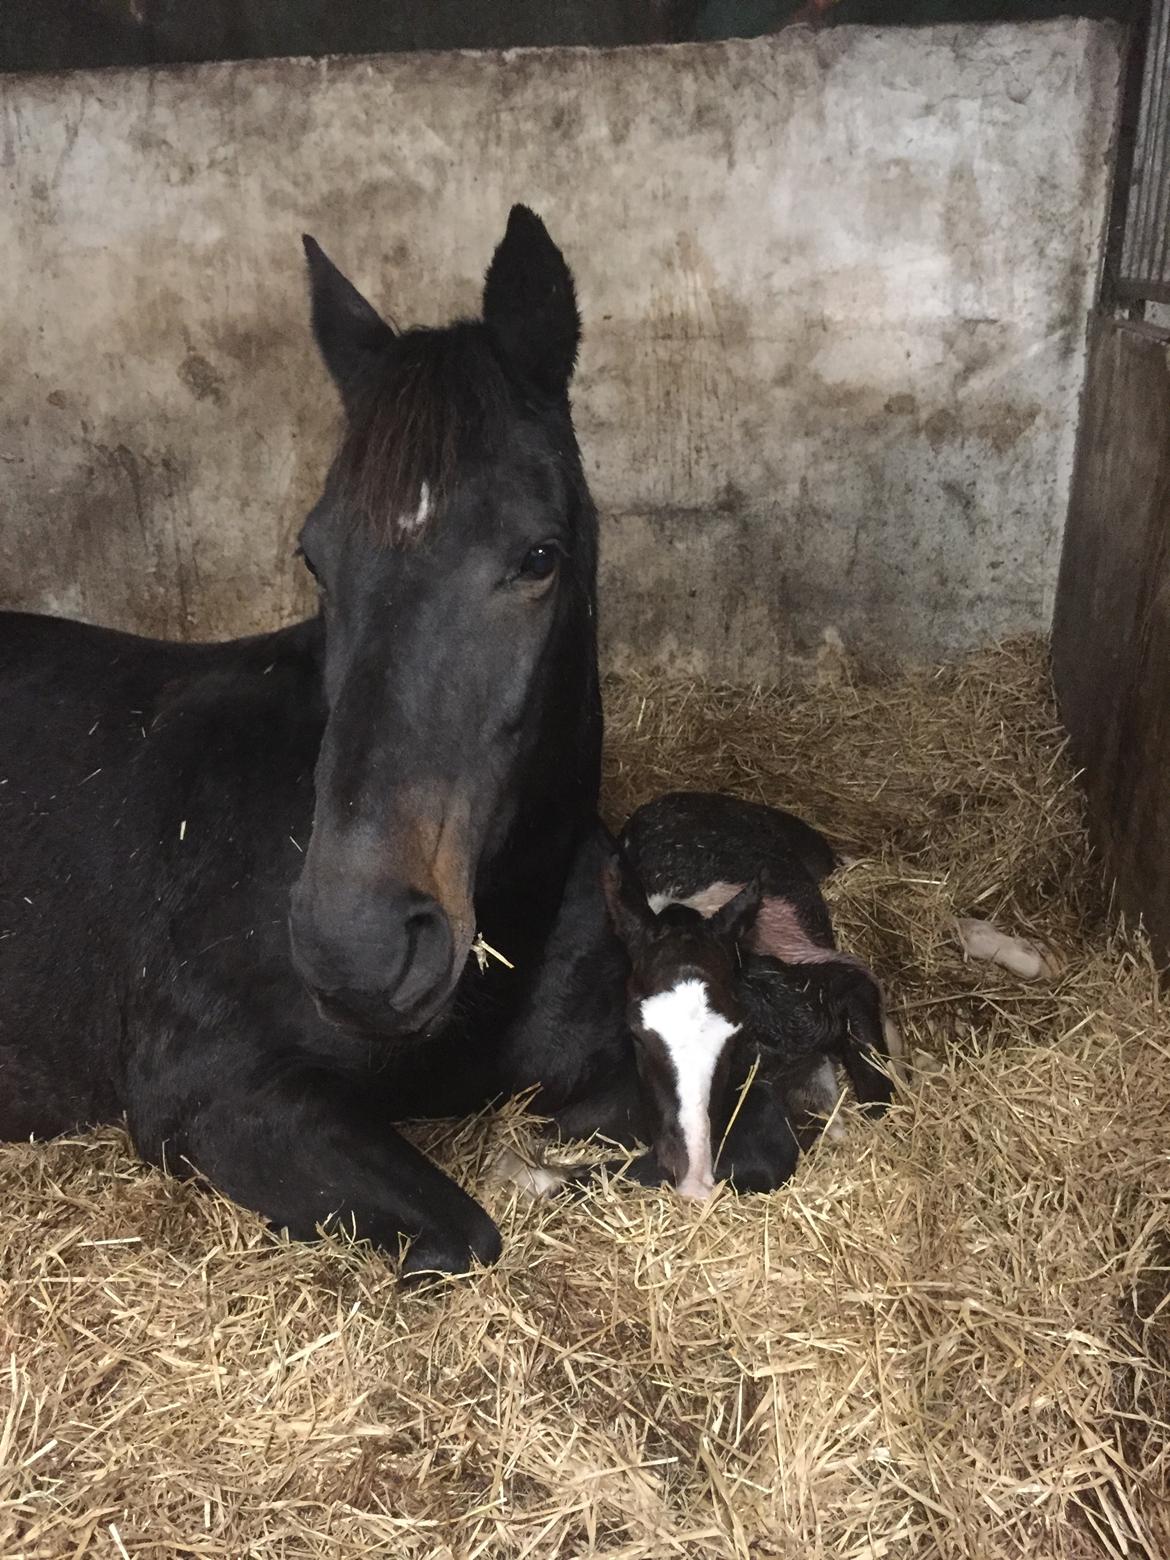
411, 523
694, 1034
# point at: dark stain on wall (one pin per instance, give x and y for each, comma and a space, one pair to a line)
204, 382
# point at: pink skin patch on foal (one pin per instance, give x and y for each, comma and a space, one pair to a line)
777, 930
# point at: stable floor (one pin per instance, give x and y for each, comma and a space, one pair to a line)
949, 1336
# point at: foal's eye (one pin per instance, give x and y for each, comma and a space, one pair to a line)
306, 560
539, 562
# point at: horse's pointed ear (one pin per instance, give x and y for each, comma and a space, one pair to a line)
737, 918
629, 910
530, 306
351, 334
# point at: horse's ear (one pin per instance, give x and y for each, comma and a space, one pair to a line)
737, 918
629, 911
529, 304
351, 334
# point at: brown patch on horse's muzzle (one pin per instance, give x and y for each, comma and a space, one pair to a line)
380, 932
436, 858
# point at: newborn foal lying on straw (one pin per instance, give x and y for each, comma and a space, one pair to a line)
737, 997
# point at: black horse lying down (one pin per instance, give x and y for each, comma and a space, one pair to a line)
418, 761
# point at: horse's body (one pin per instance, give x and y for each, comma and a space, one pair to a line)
419, 761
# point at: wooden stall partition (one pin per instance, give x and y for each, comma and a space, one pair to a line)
1111, 633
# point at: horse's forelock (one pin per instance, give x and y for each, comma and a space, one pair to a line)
438, 403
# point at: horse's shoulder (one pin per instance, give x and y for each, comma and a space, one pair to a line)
251, 700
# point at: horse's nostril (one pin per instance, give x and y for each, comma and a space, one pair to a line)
429, 951
385, 961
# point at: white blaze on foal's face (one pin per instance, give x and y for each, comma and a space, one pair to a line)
694, 1035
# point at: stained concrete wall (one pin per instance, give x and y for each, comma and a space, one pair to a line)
834, 289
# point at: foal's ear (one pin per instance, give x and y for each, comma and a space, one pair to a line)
351, 334
529, 304
629, 911
737, 918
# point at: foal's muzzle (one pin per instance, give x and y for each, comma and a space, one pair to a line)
385, 966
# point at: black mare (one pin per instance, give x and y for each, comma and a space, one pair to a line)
239, 882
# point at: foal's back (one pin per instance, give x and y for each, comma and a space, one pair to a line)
699, 848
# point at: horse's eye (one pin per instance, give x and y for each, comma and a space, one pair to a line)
539, 562
306, 560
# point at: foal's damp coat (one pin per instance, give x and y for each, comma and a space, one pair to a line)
738, 999
749, 875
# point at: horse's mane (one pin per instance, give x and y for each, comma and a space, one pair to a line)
437, 402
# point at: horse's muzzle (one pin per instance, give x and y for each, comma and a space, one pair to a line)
384, 969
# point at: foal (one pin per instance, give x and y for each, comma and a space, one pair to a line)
800, 994
735, 1046
736, 995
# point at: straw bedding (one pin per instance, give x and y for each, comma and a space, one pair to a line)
949, 1336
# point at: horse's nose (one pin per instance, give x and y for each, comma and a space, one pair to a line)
424, 972
384, 964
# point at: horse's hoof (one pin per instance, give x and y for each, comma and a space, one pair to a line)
537, 1180
435, 1255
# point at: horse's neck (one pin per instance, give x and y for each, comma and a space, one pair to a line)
526, 884
556, 810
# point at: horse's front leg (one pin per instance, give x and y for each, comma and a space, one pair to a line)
760, 1148
866, 1037
612, 1108
306, 1148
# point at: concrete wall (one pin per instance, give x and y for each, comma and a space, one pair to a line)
834, 289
